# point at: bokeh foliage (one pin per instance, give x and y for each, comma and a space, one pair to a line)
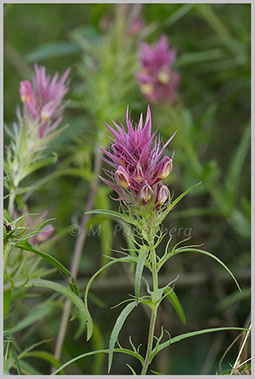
212, 145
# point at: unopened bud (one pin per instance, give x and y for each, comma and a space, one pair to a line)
145, 193
166, 167
162, 194
47, 111
26, 92
138, 173
122, 177
44, 234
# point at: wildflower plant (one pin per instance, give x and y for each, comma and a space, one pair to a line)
157, 79
25, 235
35, 128
140, 163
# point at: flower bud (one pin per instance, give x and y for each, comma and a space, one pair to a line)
122, 177
145, 193
166, 167
162, 194
138, 173
44, 234
27, 97
26, 92
47, 111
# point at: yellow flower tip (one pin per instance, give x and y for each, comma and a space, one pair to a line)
163, 77
147, 89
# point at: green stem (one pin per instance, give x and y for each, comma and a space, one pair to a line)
153, 313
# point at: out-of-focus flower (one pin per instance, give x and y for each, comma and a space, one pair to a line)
42, 100
139, 166
136, 27
43, 235
157, 80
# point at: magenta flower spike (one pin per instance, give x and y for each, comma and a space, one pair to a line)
42, 99
157, 80
136, 155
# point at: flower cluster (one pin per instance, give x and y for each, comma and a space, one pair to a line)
42, 100
139, 165
157, 80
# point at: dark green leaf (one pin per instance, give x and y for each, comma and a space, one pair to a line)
142, 255
172, 297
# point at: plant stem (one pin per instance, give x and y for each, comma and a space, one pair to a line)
153, 313
76, 257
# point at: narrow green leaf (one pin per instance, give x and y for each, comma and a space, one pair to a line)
175, 202
156, 372
105, 351
116, 329
131, 369
172, 297
110, 213
7, 301
191, 334
28, 368
236, 164
38, 164
89, 319
6, 369
64, 291
183, 250
35, 314
25, 245
53, 50
142, 255
16, 359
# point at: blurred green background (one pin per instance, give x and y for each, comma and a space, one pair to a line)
212, 145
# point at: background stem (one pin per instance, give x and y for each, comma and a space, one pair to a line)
77, 256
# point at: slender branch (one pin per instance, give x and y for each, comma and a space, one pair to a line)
76, 257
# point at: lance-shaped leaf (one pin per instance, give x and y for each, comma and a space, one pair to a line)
116, 329
25, 245
172, 297
107, 212
142, 254
191, 334
63, 291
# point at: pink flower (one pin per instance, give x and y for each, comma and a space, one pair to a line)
44, 235
42, 99
157, 81
136, 156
